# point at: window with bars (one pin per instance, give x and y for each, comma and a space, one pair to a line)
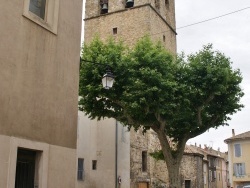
80, 170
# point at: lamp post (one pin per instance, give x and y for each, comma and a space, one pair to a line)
108, 77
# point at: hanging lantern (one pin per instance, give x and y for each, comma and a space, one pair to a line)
108, 79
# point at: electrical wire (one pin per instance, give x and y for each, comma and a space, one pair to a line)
196, 23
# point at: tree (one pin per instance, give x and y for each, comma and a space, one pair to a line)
177, 97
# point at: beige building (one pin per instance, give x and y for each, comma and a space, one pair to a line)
239, 160
103, 153
39, 65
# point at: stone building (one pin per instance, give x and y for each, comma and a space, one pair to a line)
130, 20
215, 167
39, 67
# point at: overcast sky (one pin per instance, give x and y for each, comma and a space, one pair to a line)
229, 34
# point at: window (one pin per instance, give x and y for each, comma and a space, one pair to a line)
80, 170
94, 164
167, 4
43, 12
129, 3
144, 161
104, 6
239, 169
27, 168
187, 183
164, 38
115, 31
237, 150
37, 7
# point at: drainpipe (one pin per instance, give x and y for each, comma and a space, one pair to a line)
116, 154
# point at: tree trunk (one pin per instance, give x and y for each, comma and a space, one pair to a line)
174, 174
172, 156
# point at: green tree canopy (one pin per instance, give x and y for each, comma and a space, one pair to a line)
177, 97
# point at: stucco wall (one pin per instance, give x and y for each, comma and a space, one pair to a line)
244, 158
57, 166
39, 74
97, 141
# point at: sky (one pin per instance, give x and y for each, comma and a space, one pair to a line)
229, 34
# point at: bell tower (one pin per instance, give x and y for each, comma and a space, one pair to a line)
131, 19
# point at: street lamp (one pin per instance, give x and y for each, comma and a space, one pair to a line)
108, 77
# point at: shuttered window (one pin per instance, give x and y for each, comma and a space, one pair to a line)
80, 171
38, 7
237, 150
239, 169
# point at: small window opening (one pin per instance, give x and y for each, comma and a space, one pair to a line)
144, 161
115, 31
38, 7
80, 171
129, 3
164, 38
167, 4
94, 164
104, 6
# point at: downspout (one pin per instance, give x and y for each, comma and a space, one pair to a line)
116, 154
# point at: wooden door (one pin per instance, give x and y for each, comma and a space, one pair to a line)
143, 185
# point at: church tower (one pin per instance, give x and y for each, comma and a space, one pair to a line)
130, 20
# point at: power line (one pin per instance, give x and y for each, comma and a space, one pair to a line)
212, 18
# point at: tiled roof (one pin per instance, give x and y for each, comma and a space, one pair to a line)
243, 136
192, 150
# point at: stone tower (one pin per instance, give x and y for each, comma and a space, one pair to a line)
130, 20
112, 18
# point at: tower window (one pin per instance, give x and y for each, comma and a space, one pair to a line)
104, 6
115, 31
129, 3
164, 38
167, 4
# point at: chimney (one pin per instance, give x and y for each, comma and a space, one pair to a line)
233, 133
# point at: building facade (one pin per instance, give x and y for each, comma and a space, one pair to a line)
239, 160
39, 70
103, 153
